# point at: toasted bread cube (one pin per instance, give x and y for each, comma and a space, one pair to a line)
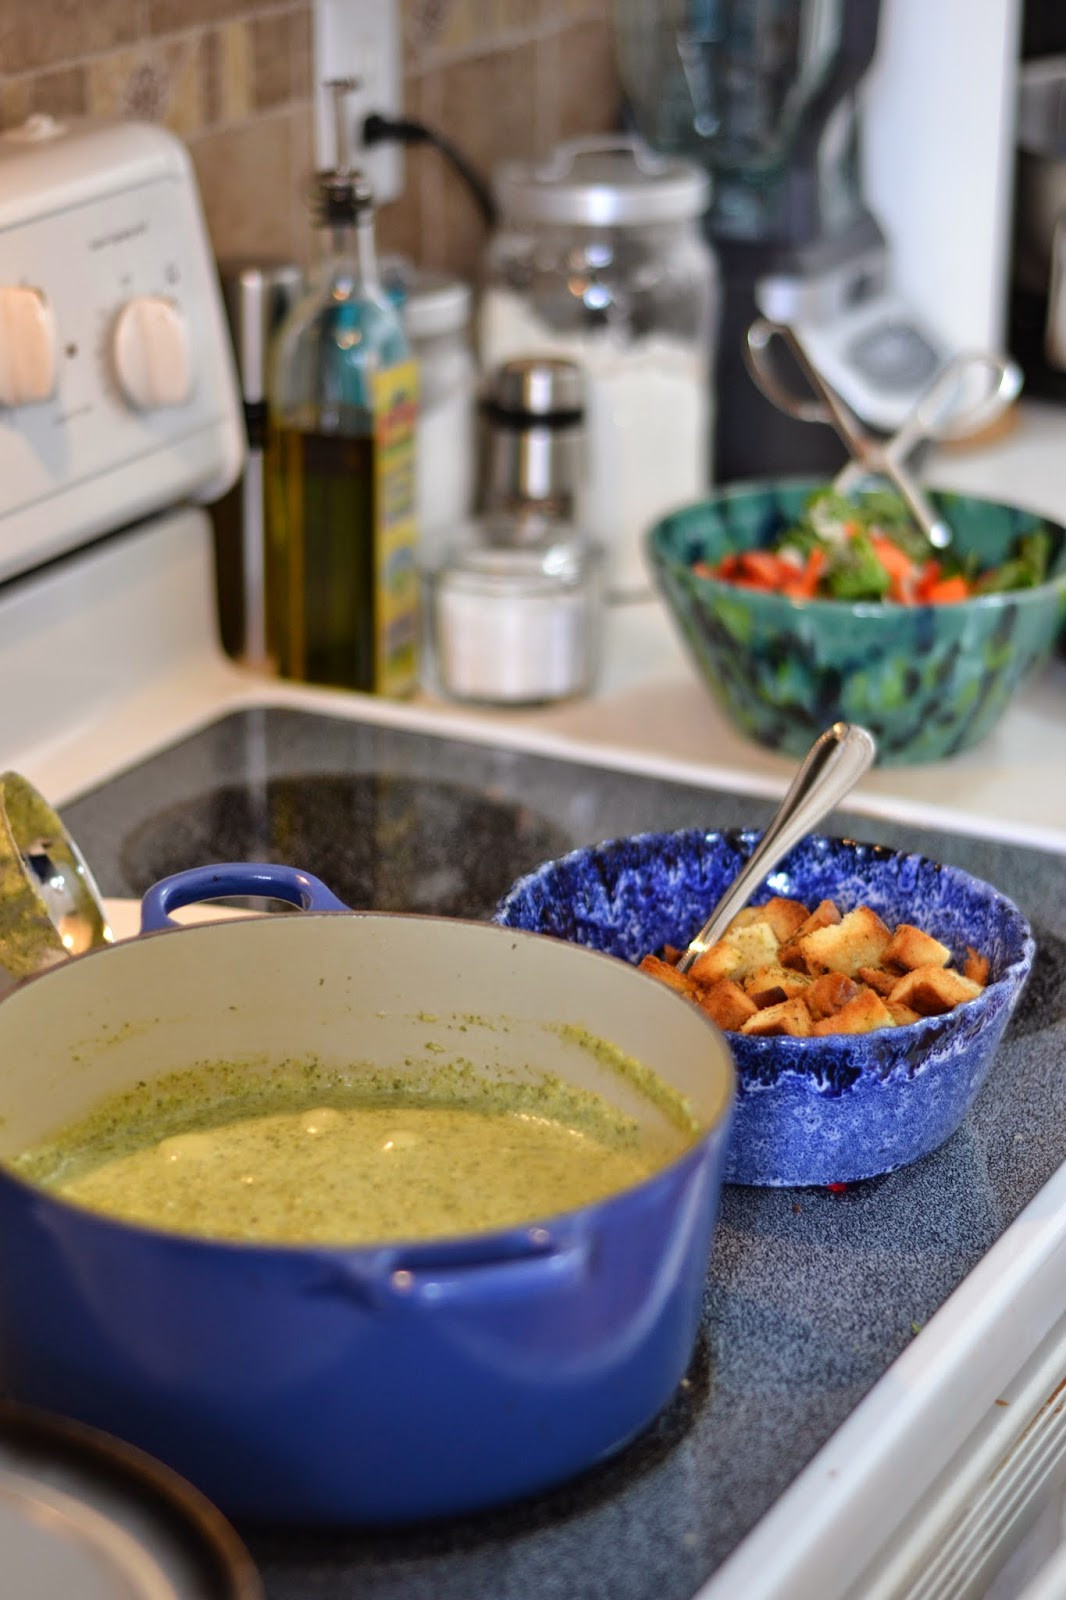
791, 1017
786, 917
721, 961
862, 1015
909, 947
671, 977
902, 1015
771, 984
824, 915
671, 954
727, 1004
975, 967
744, 919
879, 979
830, 993
933, 990
857, 940
745, 949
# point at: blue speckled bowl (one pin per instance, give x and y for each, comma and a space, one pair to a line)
809, 1111
926, 680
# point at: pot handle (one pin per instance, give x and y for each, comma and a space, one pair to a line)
554, 1265
490, 1283
265, 879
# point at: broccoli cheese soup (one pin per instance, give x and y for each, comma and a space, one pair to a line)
354, 1166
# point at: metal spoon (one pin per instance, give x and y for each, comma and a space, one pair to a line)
831, 769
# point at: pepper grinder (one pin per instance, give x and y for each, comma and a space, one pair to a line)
516, 602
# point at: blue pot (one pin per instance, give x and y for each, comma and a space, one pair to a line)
330, 1385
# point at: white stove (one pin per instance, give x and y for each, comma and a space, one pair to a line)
120, 408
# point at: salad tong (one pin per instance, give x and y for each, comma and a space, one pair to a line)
943, 411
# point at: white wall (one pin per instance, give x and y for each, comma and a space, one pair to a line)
938, 132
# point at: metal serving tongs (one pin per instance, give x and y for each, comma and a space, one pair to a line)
946, 410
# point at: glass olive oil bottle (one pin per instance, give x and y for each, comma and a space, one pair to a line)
341, 579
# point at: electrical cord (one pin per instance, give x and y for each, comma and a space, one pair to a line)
407, 130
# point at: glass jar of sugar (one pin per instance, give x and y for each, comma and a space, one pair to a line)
599, 258
515, 602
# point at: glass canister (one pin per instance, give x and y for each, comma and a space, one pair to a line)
437, 317
599, 258
515, 601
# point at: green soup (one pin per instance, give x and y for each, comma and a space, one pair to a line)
310, 1157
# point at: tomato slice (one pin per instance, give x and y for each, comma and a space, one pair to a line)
896, 562
948, 591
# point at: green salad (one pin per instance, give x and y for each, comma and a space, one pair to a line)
869, 548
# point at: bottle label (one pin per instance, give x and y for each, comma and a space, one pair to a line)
394, 397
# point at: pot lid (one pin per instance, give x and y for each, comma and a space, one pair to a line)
607, 181
84, 1515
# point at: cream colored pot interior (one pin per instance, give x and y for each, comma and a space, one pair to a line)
408, 992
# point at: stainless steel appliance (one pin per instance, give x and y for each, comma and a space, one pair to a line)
861, 154
767, 98
845, 1416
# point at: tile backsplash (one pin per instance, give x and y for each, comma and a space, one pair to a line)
500, 78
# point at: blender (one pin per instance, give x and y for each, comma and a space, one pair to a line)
764, 93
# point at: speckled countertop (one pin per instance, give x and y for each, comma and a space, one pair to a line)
810, 1295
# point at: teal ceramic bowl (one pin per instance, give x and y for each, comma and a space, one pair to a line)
927, 681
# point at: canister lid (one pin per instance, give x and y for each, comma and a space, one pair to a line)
604, 181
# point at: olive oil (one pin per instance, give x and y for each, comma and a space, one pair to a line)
341, 603
341, 578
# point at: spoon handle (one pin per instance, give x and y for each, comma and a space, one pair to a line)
833, 765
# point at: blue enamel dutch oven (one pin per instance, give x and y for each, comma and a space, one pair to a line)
313, 1384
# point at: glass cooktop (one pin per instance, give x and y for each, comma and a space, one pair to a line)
810, 1295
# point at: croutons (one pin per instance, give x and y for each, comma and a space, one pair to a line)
771, 984
824, 915
857, 940
778, 970
975, 967
879, 979
728, 1005
786, 917
862, 1015
934, 990
909, 947
670, 976
745, 949
791, 1017
830, 993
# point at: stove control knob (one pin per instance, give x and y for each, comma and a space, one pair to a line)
28, 343
152, 355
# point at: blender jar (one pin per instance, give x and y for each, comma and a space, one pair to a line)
599, 258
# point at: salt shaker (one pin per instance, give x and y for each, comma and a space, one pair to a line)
515, 604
